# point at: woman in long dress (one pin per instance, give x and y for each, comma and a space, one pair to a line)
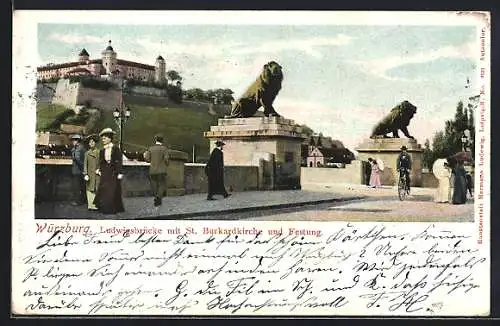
375, 175
90, 166
442, 172
459, 184
109, 193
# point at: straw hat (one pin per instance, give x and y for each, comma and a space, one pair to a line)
107, 131
76, 137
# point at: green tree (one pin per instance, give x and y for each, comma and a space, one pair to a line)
448, 142
428, 155
173, 76
194, 94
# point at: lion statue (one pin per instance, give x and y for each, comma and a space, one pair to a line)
261, 93
399, 118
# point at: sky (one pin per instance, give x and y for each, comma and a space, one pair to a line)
338, 80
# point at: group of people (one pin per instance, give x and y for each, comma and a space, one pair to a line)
375, 168
97, 173
454, 181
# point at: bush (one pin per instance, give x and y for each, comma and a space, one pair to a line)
78, 119
174, 93
60, 118
91, 82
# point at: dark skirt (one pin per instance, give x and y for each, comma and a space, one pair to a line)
109, 193
459, 190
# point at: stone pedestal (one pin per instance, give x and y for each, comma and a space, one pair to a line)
273, 144
388, 149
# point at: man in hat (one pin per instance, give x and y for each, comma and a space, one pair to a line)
215, 172
403, 165
77, 181
158, 157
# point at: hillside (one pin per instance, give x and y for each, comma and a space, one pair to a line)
46, 114
181, 124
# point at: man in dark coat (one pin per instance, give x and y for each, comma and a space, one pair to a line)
403, 165
367, 167
157, 156
77, 181
215, 172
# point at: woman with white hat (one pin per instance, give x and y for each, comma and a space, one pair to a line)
109, 193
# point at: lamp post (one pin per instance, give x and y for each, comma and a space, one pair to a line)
121, 114
465, 140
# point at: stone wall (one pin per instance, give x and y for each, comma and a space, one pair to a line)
45, 92
351, 174
74, 94
53, 178
66, 93
429, 180
236, 178
105, 100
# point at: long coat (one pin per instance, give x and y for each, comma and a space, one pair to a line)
109, 192
215, 173
158, 157
459, 185
77, 156
90, 165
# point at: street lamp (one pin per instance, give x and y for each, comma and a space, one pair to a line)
121, 116
465, 139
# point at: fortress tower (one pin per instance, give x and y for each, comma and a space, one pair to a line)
83, 56
109, 61
160, 68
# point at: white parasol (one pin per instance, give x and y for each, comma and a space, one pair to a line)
439, 170
380, 164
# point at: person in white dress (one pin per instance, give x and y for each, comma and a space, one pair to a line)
442, 172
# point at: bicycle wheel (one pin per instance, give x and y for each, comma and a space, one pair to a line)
402, 188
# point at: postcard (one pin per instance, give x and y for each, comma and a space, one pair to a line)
251, 163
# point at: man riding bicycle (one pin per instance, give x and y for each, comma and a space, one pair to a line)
403, 165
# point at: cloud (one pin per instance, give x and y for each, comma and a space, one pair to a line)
76, 39
230, 48
308, 45
381, 66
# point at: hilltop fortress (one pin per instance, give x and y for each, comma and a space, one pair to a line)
55, 84
107, 66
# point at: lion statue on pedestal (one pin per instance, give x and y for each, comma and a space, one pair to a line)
398, 119
260, 94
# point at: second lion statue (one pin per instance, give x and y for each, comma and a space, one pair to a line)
398, 119
260, 94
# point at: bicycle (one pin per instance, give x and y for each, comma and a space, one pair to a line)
403, 186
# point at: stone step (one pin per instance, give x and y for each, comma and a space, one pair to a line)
255, 121
256, 128
252, 133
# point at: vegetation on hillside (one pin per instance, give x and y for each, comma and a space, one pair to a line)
182, 128
50, 116
218, 96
